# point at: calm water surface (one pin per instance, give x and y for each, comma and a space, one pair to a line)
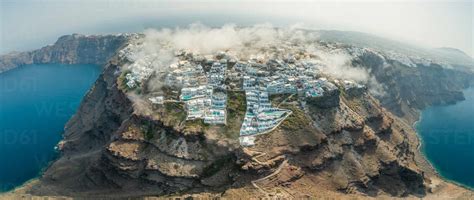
35, 103
447, 134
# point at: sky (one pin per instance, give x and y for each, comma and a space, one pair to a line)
31, 24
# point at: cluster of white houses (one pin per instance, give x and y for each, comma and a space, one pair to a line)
202, 92
260, 116
204, 81
139, 72
275, 77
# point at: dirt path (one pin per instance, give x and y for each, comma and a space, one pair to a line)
254, 183
284, 101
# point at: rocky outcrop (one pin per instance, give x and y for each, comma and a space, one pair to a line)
68, 49
362, 149
329, 100
356, 91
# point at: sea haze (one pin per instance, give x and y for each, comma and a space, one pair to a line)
447, 134
35, 103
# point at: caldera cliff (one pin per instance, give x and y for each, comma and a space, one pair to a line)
346, 144
68, 49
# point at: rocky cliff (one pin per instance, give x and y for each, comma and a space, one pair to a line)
345, 143
68, 49
410, 89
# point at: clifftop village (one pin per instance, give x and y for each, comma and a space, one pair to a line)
202, 83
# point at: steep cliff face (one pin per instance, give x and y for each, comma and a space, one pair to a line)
354, 147
101, 113
410, 89
68, 49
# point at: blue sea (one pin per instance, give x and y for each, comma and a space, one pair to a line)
35, 103
447, 134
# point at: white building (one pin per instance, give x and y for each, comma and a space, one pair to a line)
157, 100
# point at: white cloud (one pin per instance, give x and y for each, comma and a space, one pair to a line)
158, 47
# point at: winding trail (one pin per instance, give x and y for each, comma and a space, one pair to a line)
277, 171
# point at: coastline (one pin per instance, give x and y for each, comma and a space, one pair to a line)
20, 192
33, 180
428, 161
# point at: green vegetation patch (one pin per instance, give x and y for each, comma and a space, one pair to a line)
122, 81
298, 120
175, 111
236, 107
276, 99
147, 130
196, 125
342, 91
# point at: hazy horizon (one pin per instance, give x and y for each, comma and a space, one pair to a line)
30, 24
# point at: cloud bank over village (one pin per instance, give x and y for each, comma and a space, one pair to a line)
202, 39
157, 48
27, 25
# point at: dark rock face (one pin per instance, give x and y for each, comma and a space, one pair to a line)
68, 49
400, 181
367, 147
356, 91
166, 160
329, 100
